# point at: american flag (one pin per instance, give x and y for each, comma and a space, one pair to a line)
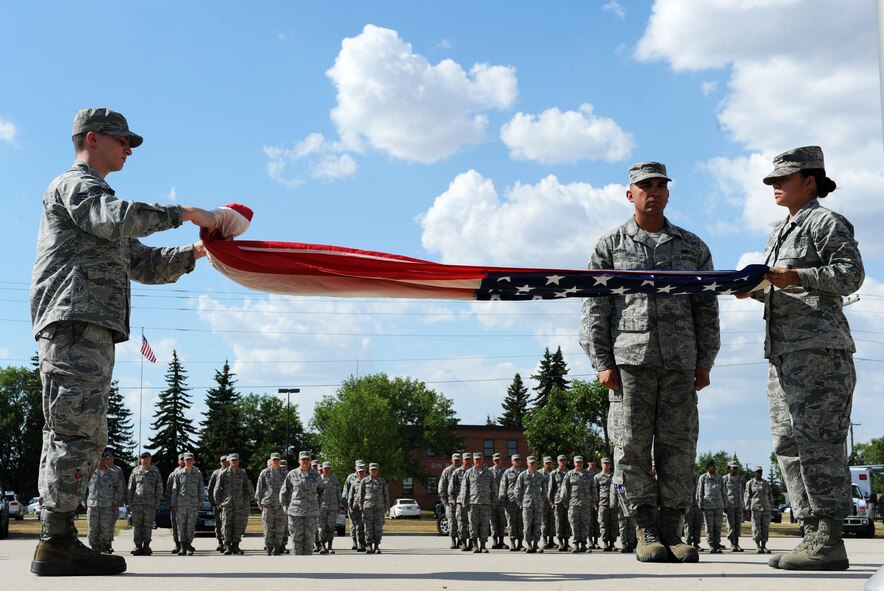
147, 351
313, 269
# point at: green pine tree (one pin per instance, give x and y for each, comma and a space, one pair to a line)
173, 431
515, 405
551, 374
221, 431
120, 430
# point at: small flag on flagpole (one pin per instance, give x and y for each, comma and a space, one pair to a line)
147, 351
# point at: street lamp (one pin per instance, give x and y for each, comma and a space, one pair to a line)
288, 392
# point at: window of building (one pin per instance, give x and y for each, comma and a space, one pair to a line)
432, 485
408, 486
512, 446
489, 448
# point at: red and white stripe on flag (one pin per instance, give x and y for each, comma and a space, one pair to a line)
147, 351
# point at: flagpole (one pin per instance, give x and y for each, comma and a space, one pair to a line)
140, 393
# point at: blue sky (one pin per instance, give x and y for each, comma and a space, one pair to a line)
482, 133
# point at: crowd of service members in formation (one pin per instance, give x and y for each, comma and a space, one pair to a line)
537, 508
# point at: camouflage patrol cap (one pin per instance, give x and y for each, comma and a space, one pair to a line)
478, 454
531, 459
304, 454
606, 460
181, 456
578, 458
733, 464
515, 457
360, 468
455, 456
326, 464
710, 463
103, 120
792, 161
547, 459
647, 170
757, 469
372, 466
496, 456
223, 458
231, 457
188, 456
562, 457
275, 456
467, 456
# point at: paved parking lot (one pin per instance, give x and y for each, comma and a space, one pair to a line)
421, 563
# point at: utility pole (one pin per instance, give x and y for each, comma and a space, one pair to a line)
288, 422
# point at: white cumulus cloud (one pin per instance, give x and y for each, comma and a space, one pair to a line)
314, 156
7, 131
556, 137
616, 8
548, 224
398, 102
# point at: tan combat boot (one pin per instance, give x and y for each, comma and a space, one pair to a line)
809, 524
670, 520
825, 551
649, 548
60, 553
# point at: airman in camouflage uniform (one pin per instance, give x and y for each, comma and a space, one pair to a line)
187, 496
329, 504
173, 516
758, 501
531, 494
374, 500
479, 494
122, 488
145, 497
654, 351
549, 514
357, 519
216, 510
87, 253
607, 515
693, 521
733, 509
712, 498
506, 496
232, 493
563, 528
300, 497
815, 261
498, 510
625, 522
102, 500
444, 481
272, 514
593, 543
578, 495
461, 503
351, 481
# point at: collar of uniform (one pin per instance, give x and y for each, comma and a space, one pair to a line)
805, 211
639, 235
82, 166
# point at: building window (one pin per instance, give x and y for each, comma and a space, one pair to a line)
432, 485
512, 446
489, 448
408, 486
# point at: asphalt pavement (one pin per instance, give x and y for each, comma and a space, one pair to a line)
424, 563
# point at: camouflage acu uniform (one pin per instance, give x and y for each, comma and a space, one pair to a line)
216, 511
357, 519
549, 514
102, 498
173, 516
625, 521
657, 342
593, 513
808, 343
145, 497
186, 498
579, 495
712, 499
498, 508
300, 496
272, 514
563, 528
461, 503
506, 496
233, 491
733, 490
530, 492
374, 497
444, 482
758, 500
87, 252
479, 494
693, 521
328, 508
607, 515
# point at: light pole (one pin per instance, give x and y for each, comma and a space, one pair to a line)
288, 400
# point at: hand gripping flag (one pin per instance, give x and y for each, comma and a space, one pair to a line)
295, 268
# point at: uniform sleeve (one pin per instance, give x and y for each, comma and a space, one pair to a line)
842, 271
160, 489
99, 213
595, 319
130, 491
501, 489
705, 313
159, 265
259, 490
173, 500
701, 490
566, 490
285, 493
747, 494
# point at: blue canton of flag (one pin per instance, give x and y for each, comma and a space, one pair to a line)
549, 286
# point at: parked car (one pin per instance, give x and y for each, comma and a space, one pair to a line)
34, 507
442, 525
16, 508
776, 516
205, 517
405, 508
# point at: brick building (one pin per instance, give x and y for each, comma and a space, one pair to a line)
482, 438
